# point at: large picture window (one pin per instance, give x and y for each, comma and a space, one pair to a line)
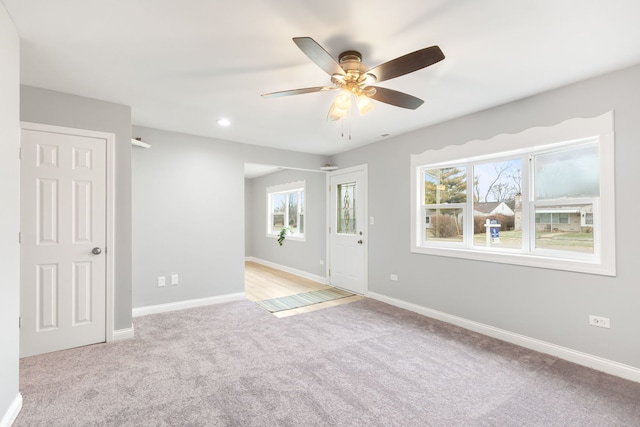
286, 208
543, 198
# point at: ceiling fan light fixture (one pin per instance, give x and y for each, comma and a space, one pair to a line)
336, 113
364, 103
340, 106
343, 100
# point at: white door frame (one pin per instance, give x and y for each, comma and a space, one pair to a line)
359, 168
110, 206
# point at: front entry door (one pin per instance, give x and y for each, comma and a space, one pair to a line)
347, 230
63, 234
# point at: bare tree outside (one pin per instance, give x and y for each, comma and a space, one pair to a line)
497, 182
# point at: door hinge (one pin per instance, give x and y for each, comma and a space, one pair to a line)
19, 322
329, 189
329, 272
20, 153
19, 237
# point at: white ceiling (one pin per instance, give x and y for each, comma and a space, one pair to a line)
181, 65
254, 170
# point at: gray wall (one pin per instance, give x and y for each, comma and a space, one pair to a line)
61, 109
304, 256
248, 219
549, 305
10, 211
188, 213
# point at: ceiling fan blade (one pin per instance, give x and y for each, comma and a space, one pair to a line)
298, 91
399, 99
317, 54
408, 63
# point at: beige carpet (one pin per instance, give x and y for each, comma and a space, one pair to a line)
359, 364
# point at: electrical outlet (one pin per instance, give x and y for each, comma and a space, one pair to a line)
174, 279
394, 277
162, 281
601, 322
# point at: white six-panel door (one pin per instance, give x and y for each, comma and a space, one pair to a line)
63, 235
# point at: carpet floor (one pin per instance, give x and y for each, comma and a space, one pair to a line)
360, 364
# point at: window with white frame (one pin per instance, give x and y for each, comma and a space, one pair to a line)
286, 208
541, 198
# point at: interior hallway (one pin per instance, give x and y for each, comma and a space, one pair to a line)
262, 283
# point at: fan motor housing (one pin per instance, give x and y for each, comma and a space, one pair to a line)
351, 61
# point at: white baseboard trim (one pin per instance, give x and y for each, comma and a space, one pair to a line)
310, 276
181, 305
123, 334
12, 413
598, 363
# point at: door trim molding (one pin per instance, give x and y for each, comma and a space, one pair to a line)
358, 168
110, 209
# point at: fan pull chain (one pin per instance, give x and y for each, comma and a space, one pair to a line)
348, 124
346, 118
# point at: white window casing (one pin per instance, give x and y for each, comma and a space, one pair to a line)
285, 191
597, 212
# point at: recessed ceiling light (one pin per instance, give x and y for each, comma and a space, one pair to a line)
224, 122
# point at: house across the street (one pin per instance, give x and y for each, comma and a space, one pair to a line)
492, 208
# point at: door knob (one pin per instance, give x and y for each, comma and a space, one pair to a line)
360, 242
96, 251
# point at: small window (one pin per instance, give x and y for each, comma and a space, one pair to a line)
286, 208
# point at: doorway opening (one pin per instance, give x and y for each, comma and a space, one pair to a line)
299, 268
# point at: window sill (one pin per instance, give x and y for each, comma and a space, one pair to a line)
605, 268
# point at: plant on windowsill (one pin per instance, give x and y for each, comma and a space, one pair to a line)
283, 233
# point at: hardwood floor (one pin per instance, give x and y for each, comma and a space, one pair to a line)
262, 282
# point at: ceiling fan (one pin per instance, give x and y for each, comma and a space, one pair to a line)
354, 79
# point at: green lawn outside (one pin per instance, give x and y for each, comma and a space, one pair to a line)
575, 242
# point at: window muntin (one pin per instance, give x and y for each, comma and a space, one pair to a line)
286, 208
590, 250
